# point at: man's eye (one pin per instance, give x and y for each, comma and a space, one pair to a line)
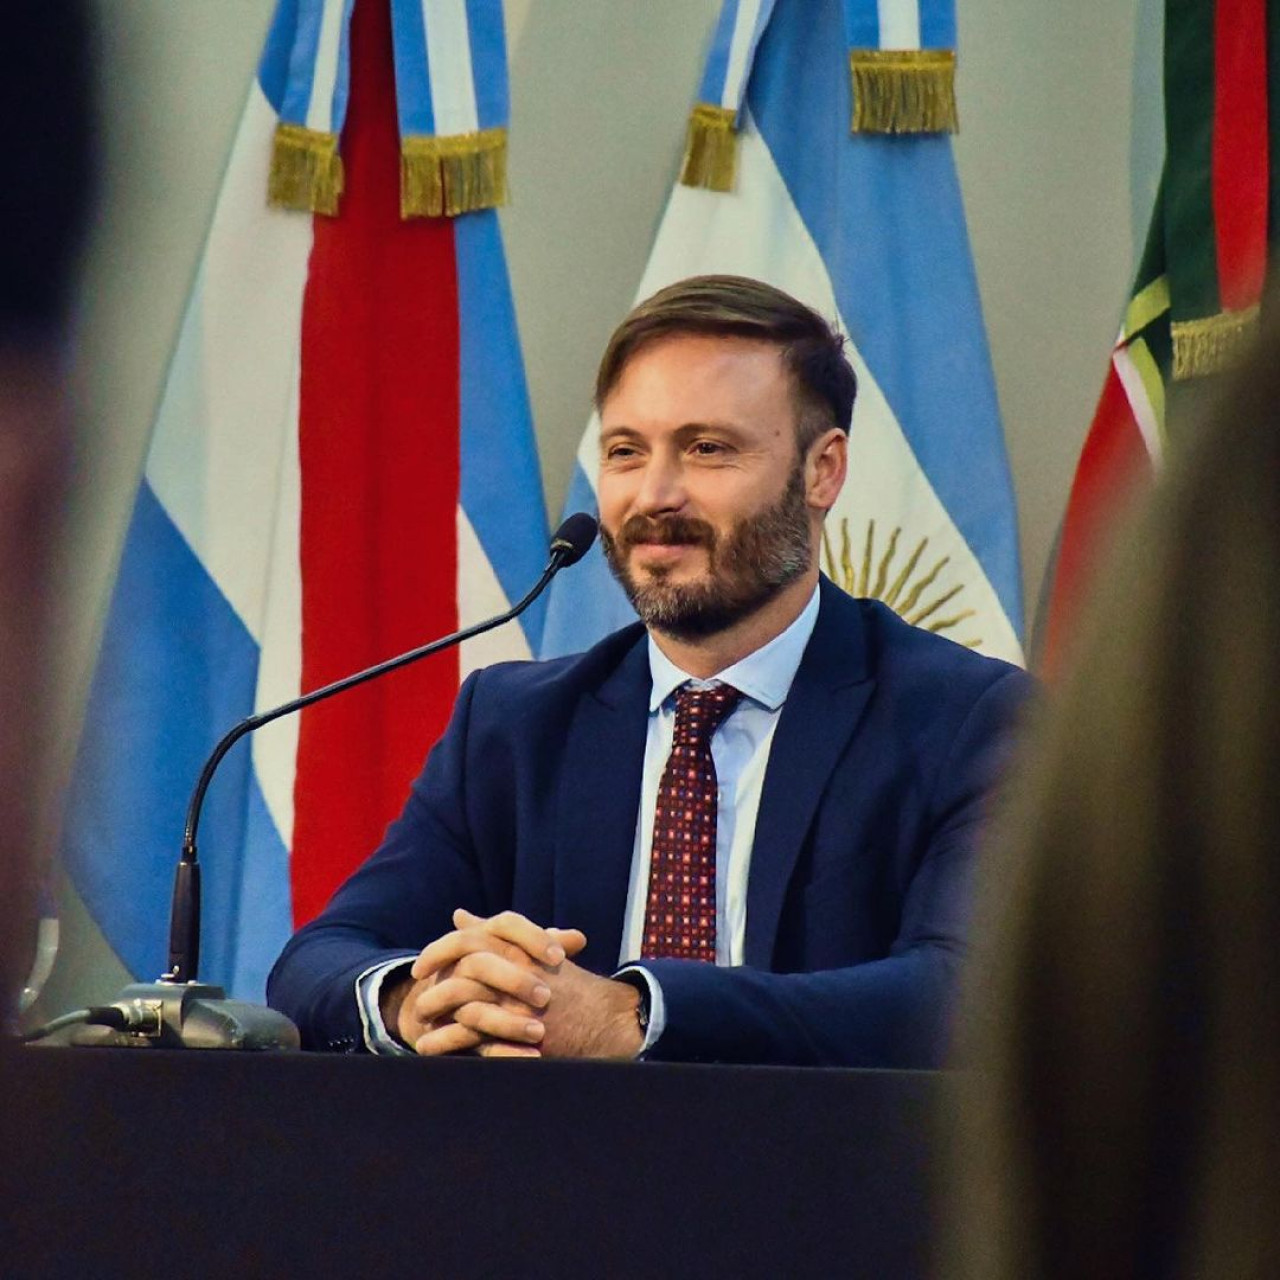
619, 452
708, 448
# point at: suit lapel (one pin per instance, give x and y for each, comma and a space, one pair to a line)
598, 805
822, 710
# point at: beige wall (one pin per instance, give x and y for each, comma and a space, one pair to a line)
1056, 168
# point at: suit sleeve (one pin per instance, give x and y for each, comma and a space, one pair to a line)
391, 907
889, 1012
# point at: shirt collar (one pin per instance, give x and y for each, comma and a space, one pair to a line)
764, 676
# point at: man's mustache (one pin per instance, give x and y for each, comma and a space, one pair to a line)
666, 531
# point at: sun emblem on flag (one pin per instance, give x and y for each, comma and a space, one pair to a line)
913, 592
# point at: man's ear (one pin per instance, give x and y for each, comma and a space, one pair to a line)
825, 467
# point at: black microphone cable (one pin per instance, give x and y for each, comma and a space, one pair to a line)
99, 1015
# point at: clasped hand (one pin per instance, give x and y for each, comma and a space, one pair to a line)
506, 987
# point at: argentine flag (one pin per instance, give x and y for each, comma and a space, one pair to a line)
342, 468
867, 228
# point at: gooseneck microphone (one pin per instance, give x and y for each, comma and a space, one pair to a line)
571, 542
177, 1011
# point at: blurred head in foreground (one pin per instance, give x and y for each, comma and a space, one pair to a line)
45, 144
1122, 1110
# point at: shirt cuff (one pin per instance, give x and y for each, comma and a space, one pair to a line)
657, 1006
377, 1038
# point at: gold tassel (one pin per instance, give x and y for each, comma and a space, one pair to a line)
306, 170
710, 149
1212, 344
452, 175
904, 90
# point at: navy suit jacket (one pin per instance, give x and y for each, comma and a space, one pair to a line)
857, 902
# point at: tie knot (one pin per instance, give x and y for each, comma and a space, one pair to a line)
700, 712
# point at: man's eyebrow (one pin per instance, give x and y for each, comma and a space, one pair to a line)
681, 433
696, 428
611, 433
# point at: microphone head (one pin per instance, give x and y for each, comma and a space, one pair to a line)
573, 539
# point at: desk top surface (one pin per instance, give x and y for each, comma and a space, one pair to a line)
276, 1164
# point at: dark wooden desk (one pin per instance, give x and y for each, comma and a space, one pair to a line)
150, 1163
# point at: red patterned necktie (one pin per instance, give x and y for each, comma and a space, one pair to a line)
680, 916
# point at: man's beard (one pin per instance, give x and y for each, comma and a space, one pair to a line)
746, 568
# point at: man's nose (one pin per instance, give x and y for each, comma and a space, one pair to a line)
662, 486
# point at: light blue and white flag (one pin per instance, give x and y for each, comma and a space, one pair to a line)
867, 227
342, 468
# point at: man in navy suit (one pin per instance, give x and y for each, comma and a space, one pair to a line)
534, 897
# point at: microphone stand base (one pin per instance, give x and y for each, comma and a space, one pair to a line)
190, 1015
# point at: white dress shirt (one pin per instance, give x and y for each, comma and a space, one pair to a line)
740, 751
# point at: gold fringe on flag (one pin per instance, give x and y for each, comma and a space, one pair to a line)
1212, 344
710, 149
452, 175
306, 170
904, 90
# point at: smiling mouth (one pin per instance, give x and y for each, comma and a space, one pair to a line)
657, 561
663, 550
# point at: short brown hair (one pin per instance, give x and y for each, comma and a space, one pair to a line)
823, 382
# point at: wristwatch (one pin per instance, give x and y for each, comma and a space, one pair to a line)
635, 979
642, 1008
